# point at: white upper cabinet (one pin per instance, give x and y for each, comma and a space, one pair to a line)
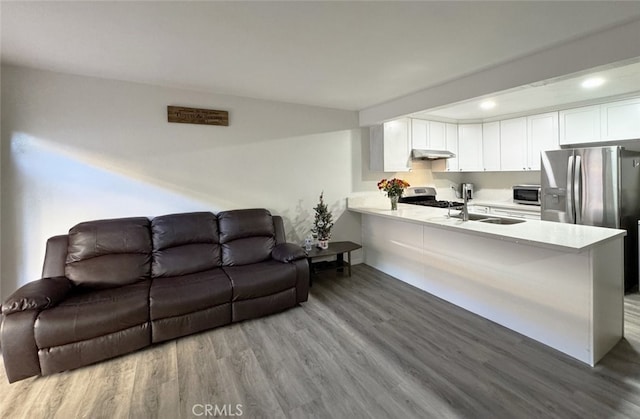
508, 145
390, 146
470, 148
451, 133
428, 135
491, 146
513, 136
420, 133
542, 135
613, 121
580, 125
513, 142
450, 144
522, 140
437, 136
620, 120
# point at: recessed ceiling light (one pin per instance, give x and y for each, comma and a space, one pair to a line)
488, 104
592, 82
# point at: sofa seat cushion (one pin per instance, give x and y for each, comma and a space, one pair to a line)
260, 279
173, 296
89, 314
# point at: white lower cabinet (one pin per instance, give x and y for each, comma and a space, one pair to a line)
479, 209
531, 214
396, 247
570, 301
515, 213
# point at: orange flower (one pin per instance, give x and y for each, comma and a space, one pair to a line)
393, 187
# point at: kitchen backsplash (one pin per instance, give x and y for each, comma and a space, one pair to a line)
496, 186
488, 186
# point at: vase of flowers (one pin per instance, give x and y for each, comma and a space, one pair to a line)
394, 202
322, 224
394, 189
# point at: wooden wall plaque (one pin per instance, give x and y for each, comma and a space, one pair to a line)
197, 116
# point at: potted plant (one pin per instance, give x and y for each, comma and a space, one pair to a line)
322, 224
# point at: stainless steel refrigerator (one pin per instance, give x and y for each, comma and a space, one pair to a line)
597, 186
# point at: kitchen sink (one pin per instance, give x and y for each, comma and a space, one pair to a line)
479, 217
482, 218
498, 220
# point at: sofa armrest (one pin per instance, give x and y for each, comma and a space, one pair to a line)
55, 256
288, 252
37, 295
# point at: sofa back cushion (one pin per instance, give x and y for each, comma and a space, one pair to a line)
246, 236
109, 253
184, 244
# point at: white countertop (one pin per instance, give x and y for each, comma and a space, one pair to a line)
566, 237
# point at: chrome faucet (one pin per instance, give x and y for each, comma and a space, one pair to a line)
464, 209
465, 200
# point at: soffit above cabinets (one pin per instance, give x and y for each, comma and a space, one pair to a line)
560, 93
339, 54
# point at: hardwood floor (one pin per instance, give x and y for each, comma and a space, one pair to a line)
365, 346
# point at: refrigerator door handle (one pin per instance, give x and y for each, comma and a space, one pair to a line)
577, 189
570, 195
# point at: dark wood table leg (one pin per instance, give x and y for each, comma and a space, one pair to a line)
349, 265
340, 262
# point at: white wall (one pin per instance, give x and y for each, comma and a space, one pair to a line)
78, 148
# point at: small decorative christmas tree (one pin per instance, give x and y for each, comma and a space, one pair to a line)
322, 223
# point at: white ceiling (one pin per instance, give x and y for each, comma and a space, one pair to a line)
567, 91
347, 55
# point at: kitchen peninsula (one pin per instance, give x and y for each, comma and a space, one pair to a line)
560, 284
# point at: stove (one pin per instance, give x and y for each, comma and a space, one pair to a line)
426, 196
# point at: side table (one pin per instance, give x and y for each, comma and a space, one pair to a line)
337, 249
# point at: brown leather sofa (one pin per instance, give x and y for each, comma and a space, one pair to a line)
111, 287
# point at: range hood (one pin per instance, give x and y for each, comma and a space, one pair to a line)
422, 154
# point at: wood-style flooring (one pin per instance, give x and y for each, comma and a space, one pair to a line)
368, 346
